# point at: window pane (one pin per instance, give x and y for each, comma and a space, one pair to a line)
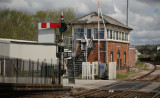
95, 33
113, 34
107, 33
122, 35
89, 32
102, 33
126, 36
116, 35
110, 34
79, 32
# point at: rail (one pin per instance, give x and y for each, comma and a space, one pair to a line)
106, 92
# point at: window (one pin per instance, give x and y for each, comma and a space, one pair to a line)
79, 33
111, 56
113, 34
101, 33
120, 34
107, 33
89, 33
124, 57
116, 35
126, 36
110, 34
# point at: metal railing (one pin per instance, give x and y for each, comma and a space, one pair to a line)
14, 70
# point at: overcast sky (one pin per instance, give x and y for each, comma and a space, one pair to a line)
144, 15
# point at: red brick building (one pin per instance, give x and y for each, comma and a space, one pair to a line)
114, 38
132, 56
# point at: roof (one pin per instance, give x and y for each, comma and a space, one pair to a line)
3, 40
92, 18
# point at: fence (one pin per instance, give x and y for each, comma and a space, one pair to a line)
89, 70
13, 70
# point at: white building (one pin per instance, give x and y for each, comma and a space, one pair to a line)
26, 50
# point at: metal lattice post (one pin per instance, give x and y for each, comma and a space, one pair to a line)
41, 72
74, 51
51, 72
32, 71
17, 73
23, 67
37, 70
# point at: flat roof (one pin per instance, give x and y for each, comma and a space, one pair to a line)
4, 40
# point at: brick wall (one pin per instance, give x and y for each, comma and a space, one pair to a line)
132, 59
93, 55
113, 47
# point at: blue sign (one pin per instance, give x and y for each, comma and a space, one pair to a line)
102, 67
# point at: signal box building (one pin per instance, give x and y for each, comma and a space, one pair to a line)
114, 39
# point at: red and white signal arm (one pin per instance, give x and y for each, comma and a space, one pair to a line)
48, 25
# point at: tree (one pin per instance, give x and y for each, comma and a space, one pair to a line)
157, 57
24, 25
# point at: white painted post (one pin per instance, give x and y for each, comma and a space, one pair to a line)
4, 67
109, 33
85, 70
89, 70
96, 64
112, 70
92, 70
82, 71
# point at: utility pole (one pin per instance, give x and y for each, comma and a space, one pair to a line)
129, 43
127, 14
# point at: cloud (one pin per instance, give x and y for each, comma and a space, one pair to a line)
5, 1
149, 1
144, 15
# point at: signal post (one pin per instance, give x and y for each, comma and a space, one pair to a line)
62, 29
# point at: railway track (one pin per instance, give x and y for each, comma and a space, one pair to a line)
127, 93
15, 90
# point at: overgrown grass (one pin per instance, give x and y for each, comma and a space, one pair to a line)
141, 66
125, 75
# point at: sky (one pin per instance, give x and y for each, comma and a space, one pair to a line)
144, 15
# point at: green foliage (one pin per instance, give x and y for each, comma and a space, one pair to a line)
157, 56
124, 75
141, 66
24, 25
143, 56
146, 49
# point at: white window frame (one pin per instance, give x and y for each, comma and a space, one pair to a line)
97, 30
